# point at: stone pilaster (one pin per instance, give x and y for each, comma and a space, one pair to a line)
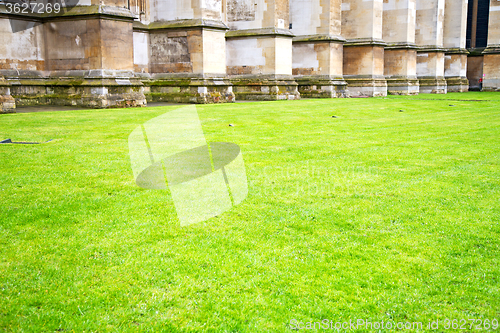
363, 62
491, 61
430, 54
318, 48
454, 36
259, 50
400, 54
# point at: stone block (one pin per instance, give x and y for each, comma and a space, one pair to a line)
7, 104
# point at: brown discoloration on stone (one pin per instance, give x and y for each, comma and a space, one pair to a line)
73, 45
430, 64
399, 21
491, 72
7, 104
455, 71
172, 54
276, 14
240, 70
331, 17
400, 62
362, 19
89, 44
117, 45
22, 64
474, 71
363, 60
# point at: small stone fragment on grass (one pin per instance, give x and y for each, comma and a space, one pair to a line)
231, 125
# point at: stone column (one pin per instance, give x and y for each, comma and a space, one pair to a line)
317, 47
454, 36
181, 52
259, 50
491, 65
363, 62
400, 54
429, 38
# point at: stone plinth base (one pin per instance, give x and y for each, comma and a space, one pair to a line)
360, 86
491, 68
455, 70
171, 88
321, 87
432, 85
400, 61
363, 67
265, 88
402, 86
7, 104
457, 84
94, 89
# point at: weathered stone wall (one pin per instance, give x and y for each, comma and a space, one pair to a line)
494, 24
362, 19
401, 62
23, 50
259, 55
198, 50
141, 51
171, 51
322, 58
214, 52
363, 60
455, 24
316, 17
256, 14
429, 23
84, 44
491, 65
399, 21
474, 71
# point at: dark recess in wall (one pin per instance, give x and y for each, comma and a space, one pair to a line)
483, 12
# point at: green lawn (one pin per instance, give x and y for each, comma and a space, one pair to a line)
378, 214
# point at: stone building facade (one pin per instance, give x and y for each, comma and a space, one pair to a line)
107, 53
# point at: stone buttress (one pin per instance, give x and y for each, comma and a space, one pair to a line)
363, 62
317, 48
400, 54
430, 53
82, 56
259, 50
491, 61
180, 52
454, 35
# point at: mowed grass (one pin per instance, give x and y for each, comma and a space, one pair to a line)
378, 214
